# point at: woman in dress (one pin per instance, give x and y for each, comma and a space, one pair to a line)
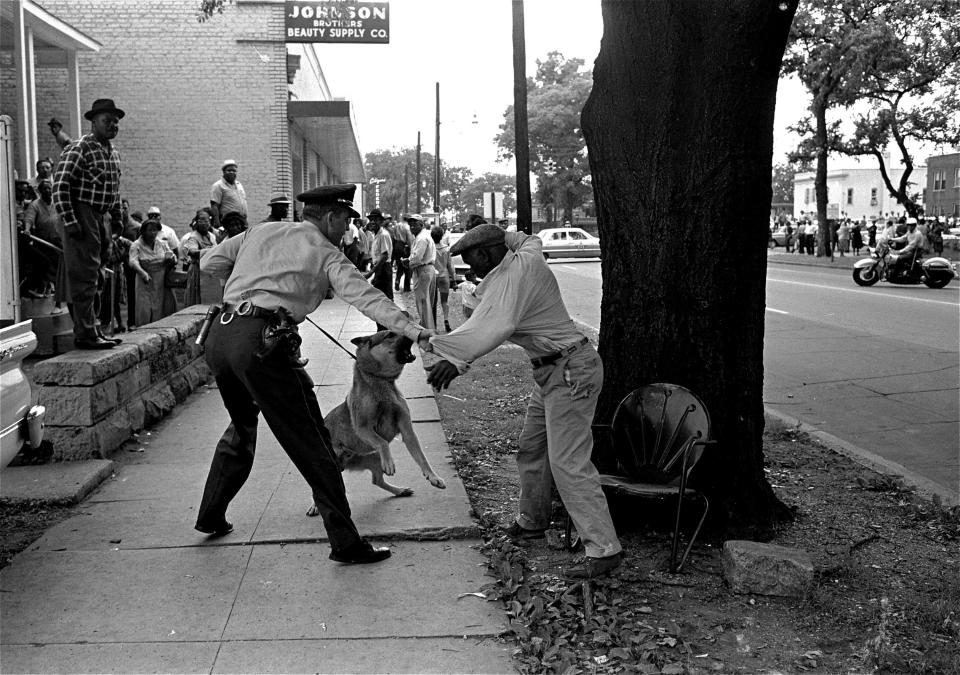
150, 258
843, 237
201, 288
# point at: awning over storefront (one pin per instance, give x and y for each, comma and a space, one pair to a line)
40, 38
330, 128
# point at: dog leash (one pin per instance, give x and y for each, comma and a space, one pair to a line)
335, 341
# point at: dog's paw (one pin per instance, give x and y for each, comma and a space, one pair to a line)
435, 480
313, 511
387, 465
404, 492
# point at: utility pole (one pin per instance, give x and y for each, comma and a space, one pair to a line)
406, 190
522, 149
417, 197
436, 162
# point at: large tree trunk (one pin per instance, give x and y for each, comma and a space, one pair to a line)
825, 227
679, 127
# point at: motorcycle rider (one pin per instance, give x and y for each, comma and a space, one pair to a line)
913, 244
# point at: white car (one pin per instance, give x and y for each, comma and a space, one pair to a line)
460, 268
569, 242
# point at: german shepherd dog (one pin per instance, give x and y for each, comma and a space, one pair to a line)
362, 427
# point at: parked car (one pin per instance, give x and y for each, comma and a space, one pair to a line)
22, 421
460, 268
779, 236
569, 242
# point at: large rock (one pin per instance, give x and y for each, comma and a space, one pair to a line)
767, 569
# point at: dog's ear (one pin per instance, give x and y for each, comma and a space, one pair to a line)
363, 339
379, 337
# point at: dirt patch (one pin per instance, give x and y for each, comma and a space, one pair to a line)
22, 523
886, 598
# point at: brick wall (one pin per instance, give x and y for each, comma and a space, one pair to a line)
194, 94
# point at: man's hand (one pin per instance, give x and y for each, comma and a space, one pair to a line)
441, 374
423, 340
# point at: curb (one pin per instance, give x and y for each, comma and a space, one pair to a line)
924, 486
54, 483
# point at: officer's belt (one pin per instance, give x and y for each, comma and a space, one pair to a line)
245, 309
556, 356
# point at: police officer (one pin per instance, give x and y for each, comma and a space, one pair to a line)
276, 274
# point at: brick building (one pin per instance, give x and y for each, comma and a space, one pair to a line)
943, 185
196, 93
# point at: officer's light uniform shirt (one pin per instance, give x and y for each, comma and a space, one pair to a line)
291, 265
519, 301
424, 251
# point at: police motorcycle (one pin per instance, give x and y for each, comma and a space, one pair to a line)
933, 272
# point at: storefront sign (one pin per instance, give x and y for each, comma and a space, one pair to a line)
338, 21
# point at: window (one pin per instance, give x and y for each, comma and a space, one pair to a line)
849, 196
576, 235
956, 177
873, 196
939, 180
806, 196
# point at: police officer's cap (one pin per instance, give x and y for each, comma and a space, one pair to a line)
341, 195
487, 234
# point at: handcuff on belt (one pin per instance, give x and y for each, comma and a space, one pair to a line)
245, 308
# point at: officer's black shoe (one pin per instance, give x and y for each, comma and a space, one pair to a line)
360, 553
93, 343
216, 530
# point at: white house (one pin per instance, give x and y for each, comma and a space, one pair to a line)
856, 189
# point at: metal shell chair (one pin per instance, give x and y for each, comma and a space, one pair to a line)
658, 433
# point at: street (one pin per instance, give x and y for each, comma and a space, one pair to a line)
876, 367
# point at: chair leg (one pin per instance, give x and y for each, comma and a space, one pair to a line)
693, 537
570, 544
675, 544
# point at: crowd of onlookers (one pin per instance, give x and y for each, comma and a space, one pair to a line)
146, 260
848, 235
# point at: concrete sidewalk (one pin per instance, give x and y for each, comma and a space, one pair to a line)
127, 585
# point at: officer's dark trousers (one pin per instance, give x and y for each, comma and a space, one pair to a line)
82, 258
285, 395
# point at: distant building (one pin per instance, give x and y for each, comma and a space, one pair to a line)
856, 191
943, 185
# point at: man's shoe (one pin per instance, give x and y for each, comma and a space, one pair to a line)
114, 340
446, 325
593, 567
518, 533
217, 530
93, 343
361, 553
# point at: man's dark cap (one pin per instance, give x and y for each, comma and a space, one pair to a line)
341, 195
102, 105
375, 213
486, 234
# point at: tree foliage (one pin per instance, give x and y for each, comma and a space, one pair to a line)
899, 59
555, 97
472, 194
395, 166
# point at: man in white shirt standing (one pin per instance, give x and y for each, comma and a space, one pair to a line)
424, 274
519, 301
227, 194
381, 252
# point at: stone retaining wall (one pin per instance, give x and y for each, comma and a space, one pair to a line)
96, 400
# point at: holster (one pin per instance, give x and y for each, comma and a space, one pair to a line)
280, 335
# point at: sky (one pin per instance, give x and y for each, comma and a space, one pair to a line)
467, 46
